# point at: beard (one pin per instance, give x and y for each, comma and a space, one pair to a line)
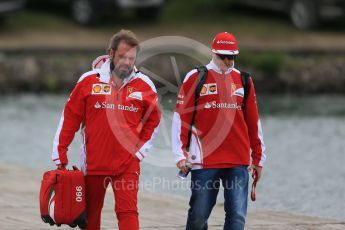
122, 71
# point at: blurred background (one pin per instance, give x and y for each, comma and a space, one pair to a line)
295, 50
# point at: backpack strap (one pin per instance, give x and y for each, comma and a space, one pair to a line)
202, 70
202, 75
245, 78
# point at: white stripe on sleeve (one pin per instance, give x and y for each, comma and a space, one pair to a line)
176, 138
145, 148
55, 154
263, 146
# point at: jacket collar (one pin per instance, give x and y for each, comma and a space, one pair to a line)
214, 67
105, 73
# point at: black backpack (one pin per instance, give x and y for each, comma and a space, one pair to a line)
202, 75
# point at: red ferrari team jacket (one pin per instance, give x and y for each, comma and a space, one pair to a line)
116, 125
223, 131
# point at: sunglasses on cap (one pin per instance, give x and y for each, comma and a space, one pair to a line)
229, 57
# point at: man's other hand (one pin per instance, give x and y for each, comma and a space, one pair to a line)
182, 166
258, 171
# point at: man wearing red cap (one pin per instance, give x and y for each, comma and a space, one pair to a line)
218, 132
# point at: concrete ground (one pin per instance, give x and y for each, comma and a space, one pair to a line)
19, 209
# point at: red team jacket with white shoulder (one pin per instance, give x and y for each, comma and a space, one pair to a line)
223, 132
117, 125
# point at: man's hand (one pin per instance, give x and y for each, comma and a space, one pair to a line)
258, 170
61, 166
182, 166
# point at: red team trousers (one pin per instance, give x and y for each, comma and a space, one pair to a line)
125, 188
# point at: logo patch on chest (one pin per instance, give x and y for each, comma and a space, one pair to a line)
212, 88
209, 89
237, 90
136, 95
101, 89
130, 90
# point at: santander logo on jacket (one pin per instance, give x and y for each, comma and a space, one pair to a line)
225, 133
105, 105
215, 105
117, 125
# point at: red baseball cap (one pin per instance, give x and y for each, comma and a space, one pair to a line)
225, 43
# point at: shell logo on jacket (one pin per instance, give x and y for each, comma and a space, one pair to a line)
104, 89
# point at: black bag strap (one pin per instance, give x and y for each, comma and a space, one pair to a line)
202, 70
202, 75
245, 77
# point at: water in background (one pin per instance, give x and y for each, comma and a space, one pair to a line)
304, 172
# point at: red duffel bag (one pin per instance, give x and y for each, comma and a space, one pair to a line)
62, 198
